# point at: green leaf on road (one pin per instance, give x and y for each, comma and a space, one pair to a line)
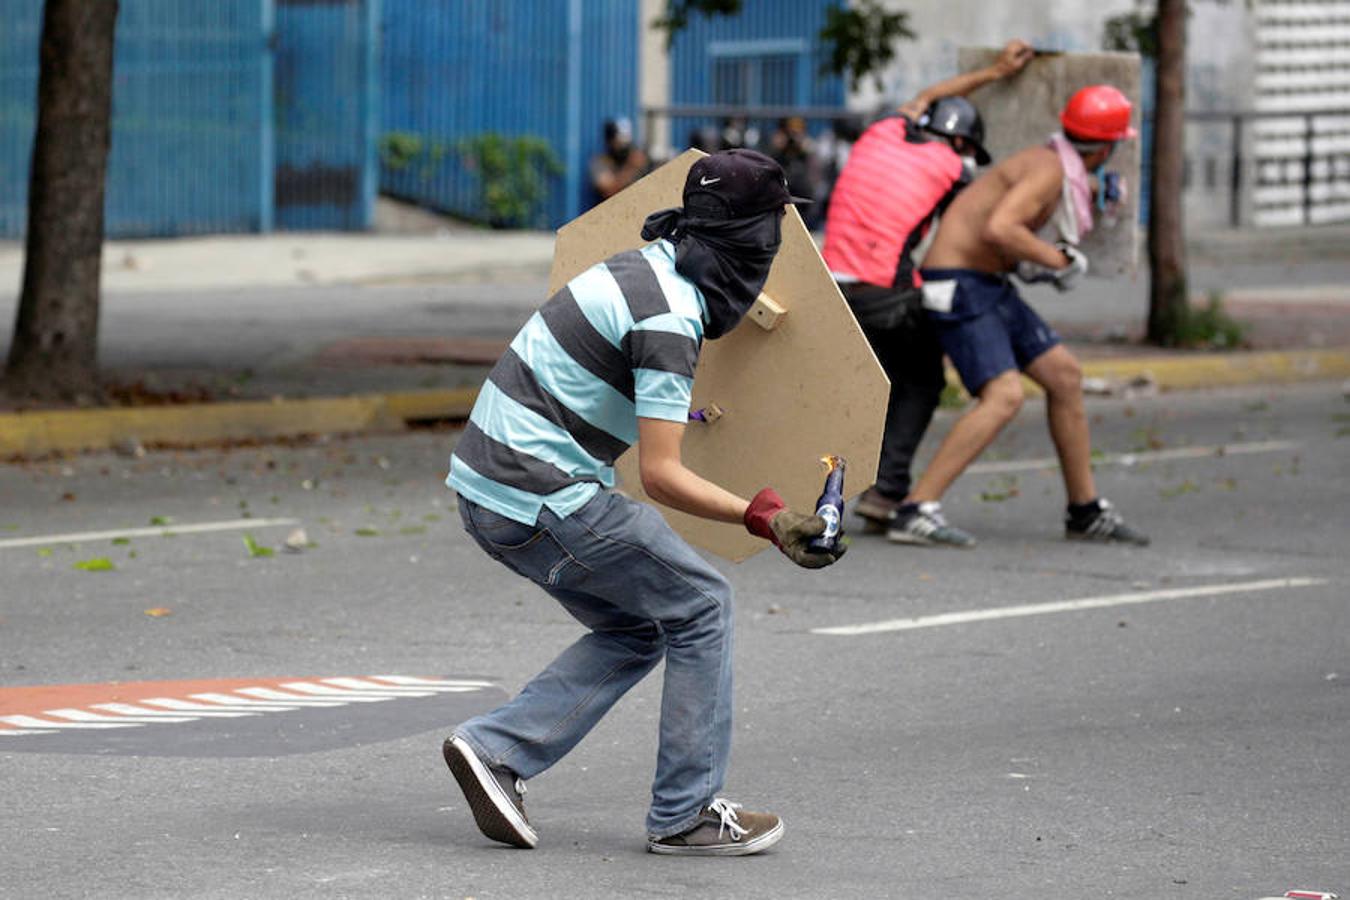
413, 529
97, 564
121, 542
256, 550
1186, 487
367, 532
44, 552
160, 520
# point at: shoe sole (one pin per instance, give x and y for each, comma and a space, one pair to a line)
493, 811
904, 537
763, 842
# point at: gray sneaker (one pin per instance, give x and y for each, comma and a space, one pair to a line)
723, 830
496, 796
923, 523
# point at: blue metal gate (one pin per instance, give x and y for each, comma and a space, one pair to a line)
458, 71
191, 131
769, 54
326, 116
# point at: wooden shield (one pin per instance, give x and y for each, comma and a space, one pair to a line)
1024, 110
795, 381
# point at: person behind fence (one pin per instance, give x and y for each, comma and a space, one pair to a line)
620, 163
609, 361
993, 337
792, 147
900, 174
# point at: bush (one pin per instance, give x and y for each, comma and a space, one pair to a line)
513, 174
1209, 327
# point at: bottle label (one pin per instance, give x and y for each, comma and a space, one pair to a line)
830, 514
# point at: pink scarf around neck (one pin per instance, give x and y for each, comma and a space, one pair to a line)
1077, 190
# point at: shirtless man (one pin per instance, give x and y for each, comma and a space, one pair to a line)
992, 336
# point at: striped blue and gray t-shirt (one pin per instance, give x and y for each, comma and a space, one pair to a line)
619, 342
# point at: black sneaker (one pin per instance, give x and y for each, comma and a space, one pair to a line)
923, 523
723, 831
1099, 521
496, 796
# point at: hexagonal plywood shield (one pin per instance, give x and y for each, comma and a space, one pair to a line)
806, 387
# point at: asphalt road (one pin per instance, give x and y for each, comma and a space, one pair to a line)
1184, 733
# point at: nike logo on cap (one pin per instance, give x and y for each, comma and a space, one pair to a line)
705, 180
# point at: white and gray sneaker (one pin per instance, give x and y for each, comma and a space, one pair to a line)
923, 523
496, 796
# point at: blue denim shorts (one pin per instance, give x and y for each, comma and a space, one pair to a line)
985, 328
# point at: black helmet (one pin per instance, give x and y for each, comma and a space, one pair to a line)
957, 117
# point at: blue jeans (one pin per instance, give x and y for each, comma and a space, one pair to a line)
644, 594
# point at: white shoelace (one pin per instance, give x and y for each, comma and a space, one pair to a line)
727, 810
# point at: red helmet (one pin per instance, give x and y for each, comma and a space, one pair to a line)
1098, 112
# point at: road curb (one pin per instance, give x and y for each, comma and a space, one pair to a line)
43, 432
1209, 370
26, 434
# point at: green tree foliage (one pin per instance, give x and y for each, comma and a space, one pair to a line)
861, 40
1133, 32
677, 14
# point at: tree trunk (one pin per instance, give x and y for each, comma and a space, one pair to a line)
1168, 296
54, 355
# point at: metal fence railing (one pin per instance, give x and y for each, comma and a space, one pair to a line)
1283, 168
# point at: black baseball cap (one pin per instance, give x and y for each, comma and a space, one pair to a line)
736, 184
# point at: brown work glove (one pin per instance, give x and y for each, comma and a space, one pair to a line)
768, 517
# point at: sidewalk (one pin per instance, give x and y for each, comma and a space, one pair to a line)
269, 331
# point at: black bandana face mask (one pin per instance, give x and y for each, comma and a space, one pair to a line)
728, 260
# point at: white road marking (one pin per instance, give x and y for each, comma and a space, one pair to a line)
161, 715
83, 715
324, 690
176, 704
370, 687
241, 702
170, 710
1038, 609
1216, 451
33, 722
263, 693
445, 682
157, 531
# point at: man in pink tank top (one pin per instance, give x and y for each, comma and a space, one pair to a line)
900, 175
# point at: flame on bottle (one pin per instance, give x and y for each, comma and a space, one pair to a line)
832, 462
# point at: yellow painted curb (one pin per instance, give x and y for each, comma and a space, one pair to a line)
1203, 370
36, 433
1192, 371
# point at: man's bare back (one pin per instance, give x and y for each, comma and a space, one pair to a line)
991, 225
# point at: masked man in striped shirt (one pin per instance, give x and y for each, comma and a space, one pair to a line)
607, 362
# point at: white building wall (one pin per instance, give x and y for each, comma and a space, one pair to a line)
1302, 63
